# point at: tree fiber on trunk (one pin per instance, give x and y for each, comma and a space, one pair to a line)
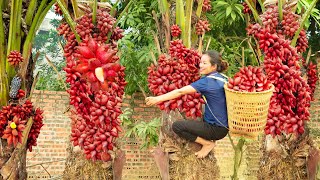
183, 164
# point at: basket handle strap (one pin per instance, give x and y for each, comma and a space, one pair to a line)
218, 78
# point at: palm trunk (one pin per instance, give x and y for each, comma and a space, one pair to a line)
78, 166
13, 163
182, 163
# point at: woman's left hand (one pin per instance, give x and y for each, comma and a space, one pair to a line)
152, 101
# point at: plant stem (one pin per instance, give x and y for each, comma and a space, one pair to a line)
262, 6
112, 12
3, 79
254, 12
254, 52
18, 10
56, 70
164, 7
280, 5
2, 43
303, 20
25, 134
118, 19
31, 9
180, 18
11, 28
188, 23
208, 44
69, 19
27, 46
75, 8
94, 12
199, 8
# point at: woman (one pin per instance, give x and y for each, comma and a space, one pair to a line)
215, 120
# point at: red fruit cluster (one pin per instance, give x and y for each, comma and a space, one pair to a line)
21, 94
14, 58
96, 142
13, 131
57, 9
206, 6
84, 26
190, 56
117, 34
97, 64
249, 79
96, 84
202, 27
105, 23
13, 119
96, 136
289, 106
302, 42
290, 23
173, 73
279, 122
175, 30
35, 129
312, 74
270, 19
246, 9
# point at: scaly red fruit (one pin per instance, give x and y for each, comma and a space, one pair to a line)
174, 73
13, 131
57, 9
96, 84
13, 119
35, 129
175, 30
21, 94
289, 105
202, 26
206, 6
246, 9
96, 63
14, 58
312, 75
249, 79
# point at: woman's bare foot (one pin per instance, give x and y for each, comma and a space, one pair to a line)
205, 150
207, 146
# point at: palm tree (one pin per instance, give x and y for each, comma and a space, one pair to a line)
20, 20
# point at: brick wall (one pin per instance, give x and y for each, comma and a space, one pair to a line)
53, 141
139, 164
54, 138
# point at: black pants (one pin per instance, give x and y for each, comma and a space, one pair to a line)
190, 130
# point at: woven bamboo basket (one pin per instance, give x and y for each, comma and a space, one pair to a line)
247, 112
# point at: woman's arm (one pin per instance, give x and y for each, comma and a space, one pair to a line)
170, 95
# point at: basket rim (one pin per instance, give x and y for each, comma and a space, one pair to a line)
239, 92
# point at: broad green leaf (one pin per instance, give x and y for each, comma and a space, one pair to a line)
221, 3
233, 15
228, 11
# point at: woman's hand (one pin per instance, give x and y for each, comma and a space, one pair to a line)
152, 100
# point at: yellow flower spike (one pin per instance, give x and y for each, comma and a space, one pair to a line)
13, 125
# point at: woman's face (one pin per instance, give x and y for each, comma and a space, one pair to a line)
205, 65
